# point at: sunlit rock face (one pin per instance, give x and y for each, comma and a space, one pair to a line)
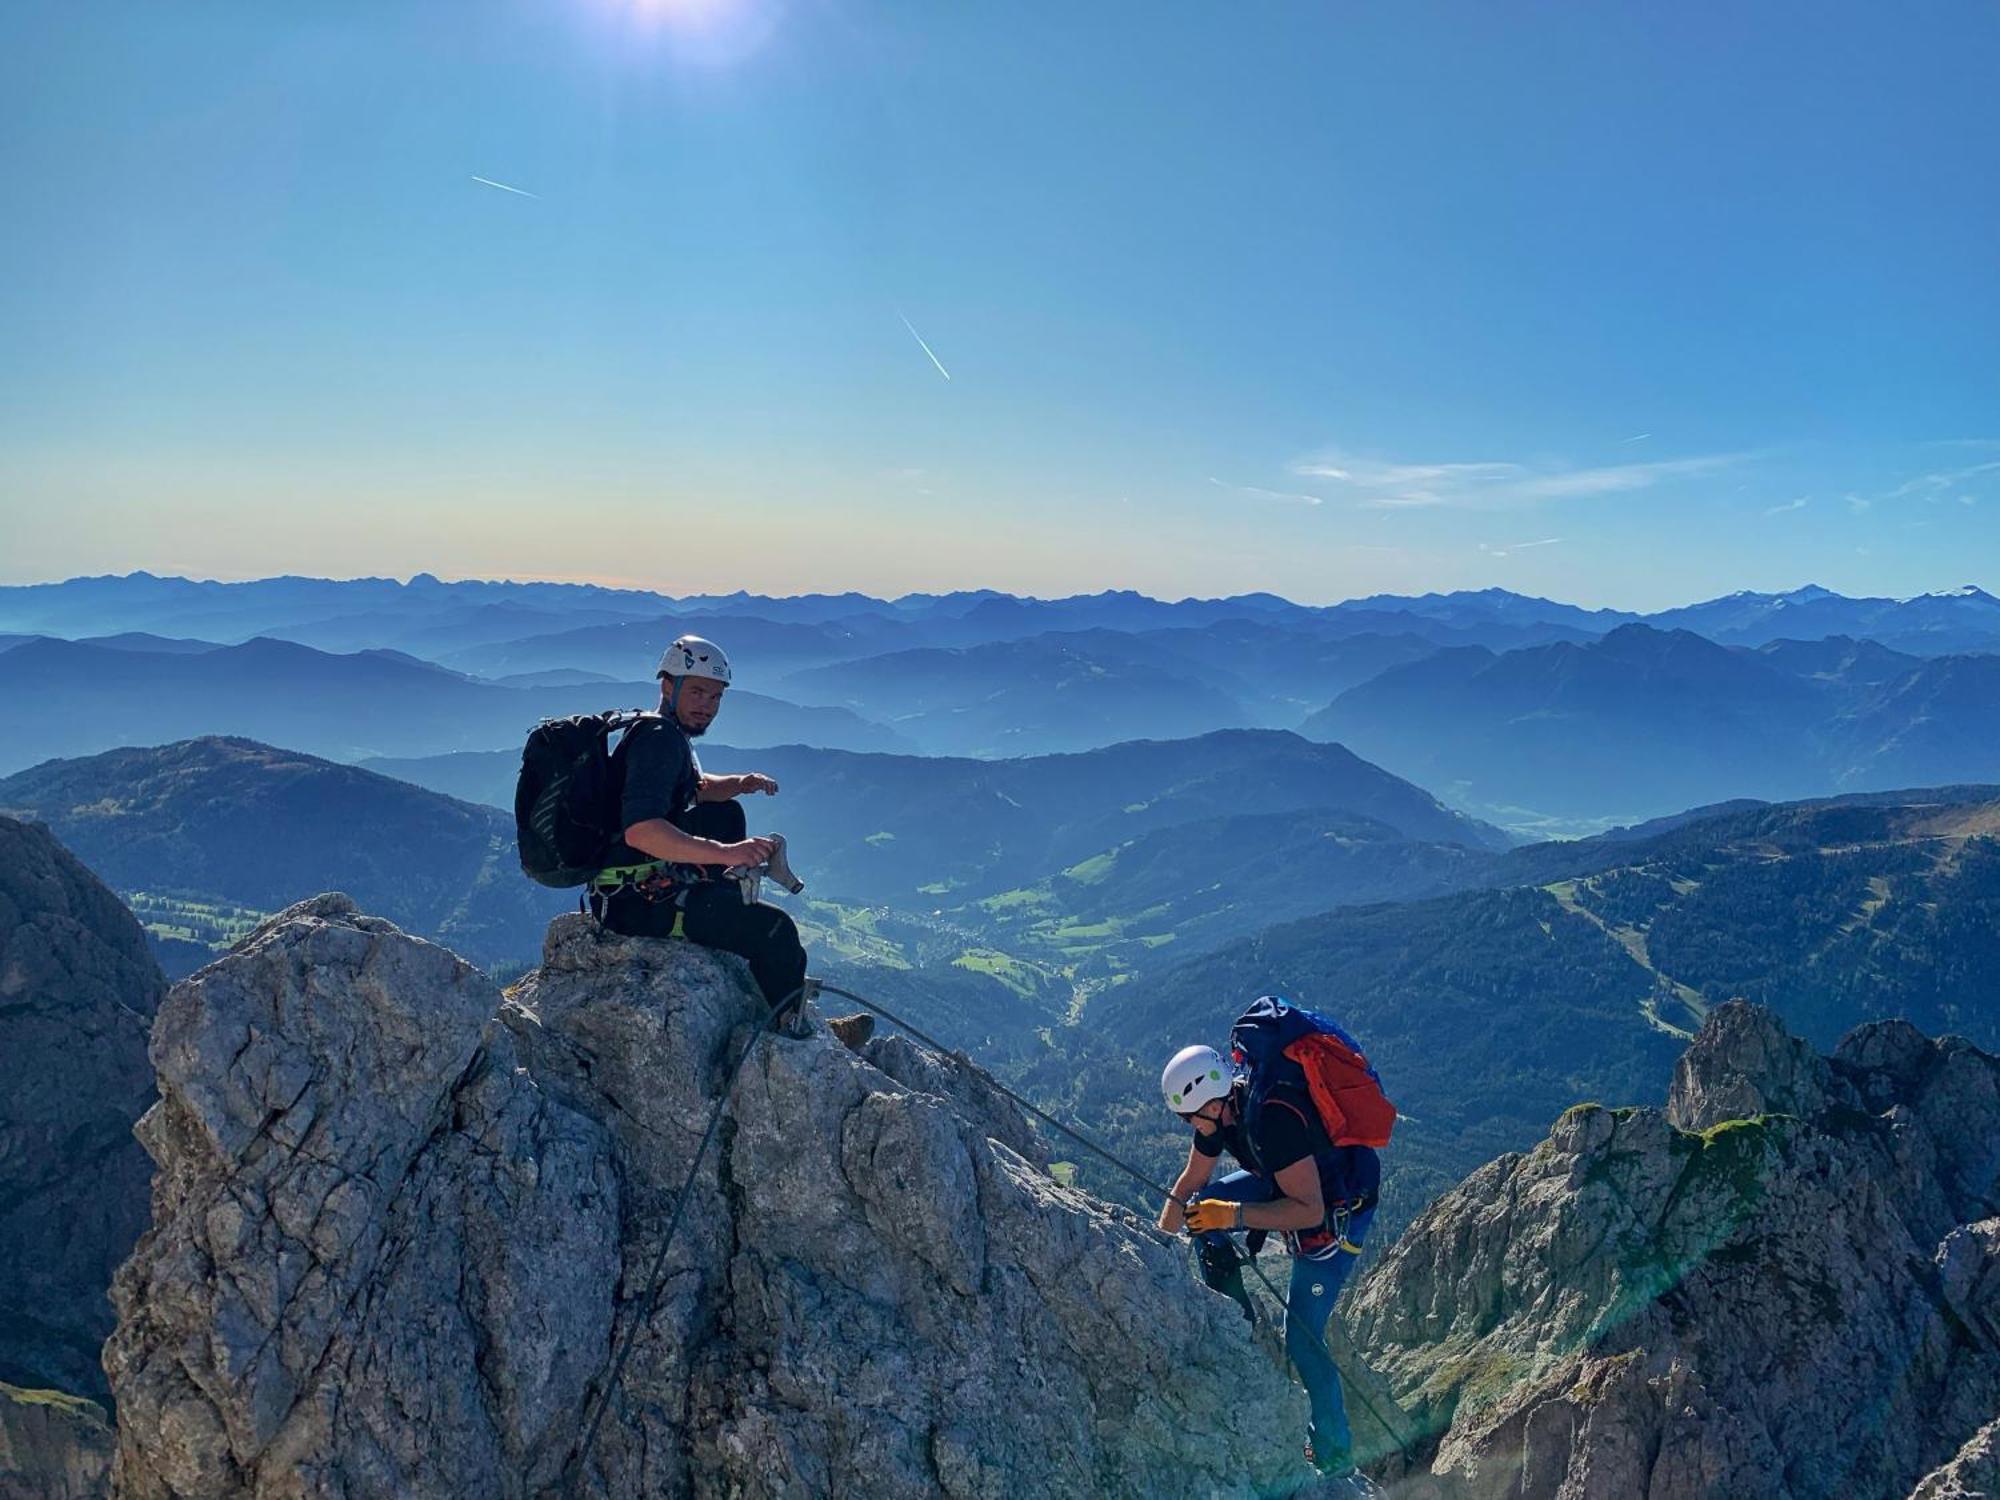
1972, 1474
77, 991
1786, 1284
401, 1222
52, 1446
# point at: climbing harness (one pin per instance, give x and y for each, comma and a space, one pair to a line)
663, 880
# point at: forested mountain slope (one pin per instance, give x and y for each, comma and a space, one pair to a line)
1491, 1010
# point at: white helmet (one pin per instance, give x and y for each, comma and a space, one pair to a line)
1195, 1076
691, 656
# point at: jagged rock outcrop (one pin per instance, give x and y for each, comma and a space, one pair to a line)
399, 1224
1972, 1474
1786, 1284
77, 992
52, 1447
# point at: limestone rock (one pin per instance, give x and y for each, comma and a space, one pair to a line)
77, 990
1803, 1300
958, 1079
1973, 1474
1744, 1063
401, 1224
52, 1447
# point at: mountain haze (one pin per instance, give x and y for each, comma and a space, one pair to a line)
67, 698
1643, 722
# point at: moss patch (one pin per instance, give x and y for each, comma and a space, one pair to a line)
60, 1400
1478, 1377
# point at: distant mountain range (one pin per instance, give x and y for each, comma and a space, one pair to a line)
202, 838
1946, 623
1641, 722
348, 613
1541, 715
65, 698
434, 619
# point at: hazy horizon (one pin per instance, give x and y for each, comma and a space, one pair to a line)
724, 590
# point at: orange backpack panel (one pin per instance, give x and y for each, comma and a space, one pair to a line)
1345, 1089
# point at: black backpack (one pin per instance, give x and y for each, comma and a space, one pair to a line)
566, 800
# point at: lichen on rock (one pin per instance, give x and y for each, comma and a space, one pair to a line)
52, 1446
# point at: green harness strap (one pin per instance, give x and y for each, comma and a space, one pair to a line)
618, 877
614, 876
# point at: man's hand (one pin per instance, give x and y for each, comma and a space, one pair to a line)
1206, 1214
1171, 1217
749, 852
756, 781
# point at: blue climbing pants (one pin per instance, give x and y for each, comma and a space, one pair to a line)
1316, 1284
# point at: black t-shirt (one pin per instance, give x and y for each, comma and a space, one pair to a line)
661, 778
1284, 1136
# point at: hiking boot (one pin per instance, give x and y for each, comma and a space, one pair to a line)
852, 1032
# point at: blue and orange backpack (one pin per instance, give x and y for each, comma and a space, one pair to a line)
1282, 1044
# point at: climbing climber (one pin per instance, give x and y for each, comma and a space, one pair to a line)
1301, 1112
684, 828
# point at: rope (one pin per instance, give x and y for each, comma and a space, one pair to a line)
1047, 1119
580, 1461
1317, 1336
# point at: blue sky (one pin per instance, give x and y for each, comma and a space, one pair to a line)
1627, 304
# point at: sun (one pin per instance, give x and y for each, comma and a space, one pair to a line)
692, 13
709, 33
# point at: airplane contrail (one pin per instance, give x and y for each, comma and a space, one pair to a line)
489, 182
926, 348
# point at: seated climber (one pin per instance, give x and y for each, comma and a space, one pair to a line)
1292, 1179
684, 828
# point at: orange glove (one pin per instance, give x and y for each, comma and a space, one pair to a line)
1206, 1214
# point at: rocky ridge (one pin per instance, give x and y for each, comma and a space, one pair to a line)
1786, 1284
1972, 1474
399, 1221
77, 992
52, 1447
